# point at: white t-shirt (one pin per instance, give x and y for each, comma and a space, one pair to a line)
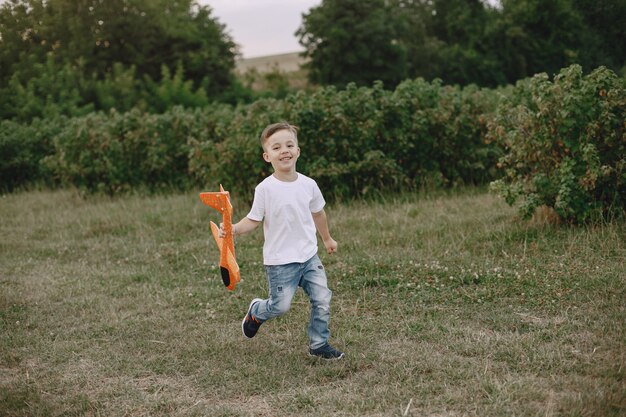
285, 209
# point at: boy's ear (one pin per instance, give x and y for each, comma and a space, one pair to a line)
266, 157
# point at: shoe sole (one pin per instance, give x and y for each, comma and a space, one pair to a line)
256, 300
327, 359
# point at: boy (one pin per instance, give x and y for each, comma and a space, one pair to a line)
291, 207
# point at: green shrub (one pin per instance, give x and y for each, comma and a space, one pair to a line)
355, 142
442, 142
231, 155
565, 144
47, 90
120, 89
54, 90
118, 152
172, 90
339, 132
22, 147
361, 141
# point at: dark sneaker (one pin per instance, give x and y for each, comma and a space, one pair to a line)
326, 352
250, 324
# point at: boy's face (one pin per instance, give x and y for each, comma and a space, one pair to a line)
282, 151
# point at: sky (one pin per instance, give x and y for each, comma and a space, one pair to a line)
262, 27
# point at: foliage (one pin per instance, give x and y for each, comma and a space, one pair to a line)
275, 83
362, 141
71, 57
55, 90
142, 33
463, 53
52, 91
173, 90
22, 148
600, 42
459, 41
532, 36
352, 41
566, 146
135, 43
357, 141
116, 152
559, 143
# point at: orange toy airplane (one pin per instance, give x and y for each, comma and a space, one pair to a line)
220, 201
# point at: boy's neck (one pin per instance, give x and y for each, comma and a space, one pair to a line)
286, 176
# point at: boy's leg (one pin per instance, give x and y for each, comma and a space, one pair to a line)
315, 285
283, 283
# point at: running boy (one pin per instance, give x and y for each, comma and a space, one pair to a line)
291, 207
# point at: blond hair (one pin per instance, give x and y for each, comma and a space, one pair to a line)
276, 127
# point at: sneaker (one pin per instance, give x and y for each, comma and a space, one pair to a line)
326, 352
250, 324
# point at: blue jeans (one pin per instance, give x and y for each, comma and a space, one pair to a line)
283, 281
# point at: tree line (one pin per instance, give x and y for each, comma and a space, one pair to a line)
460, 41
73, 57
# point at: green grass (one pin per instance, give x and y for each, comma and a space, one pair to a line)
450, 304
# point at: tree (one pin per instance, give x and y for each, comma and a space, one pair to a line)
534, 36
21, 45
603, 40
412, 19
352, 41
411, 38
460, 41
464, 55
144, 34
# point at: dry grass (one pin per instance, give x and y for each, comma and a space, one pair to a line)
288, 62
445, 306
272, 73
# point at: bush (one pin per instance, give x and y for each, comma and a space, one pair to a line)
48, 90
565, 144
361, 141
355, 142
116, 152
53, 91
173, 90
22, 148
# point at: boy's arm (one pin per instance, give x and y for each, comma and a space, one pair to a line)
244, 226
321, 224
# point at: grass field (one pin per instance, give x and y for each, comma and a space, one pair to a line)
445, 305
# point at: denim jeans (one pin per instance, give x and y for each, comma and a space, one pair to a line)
283, 281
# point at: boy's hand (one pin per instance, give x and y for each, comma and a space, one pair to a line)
222, 232
331, 245
244, 226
